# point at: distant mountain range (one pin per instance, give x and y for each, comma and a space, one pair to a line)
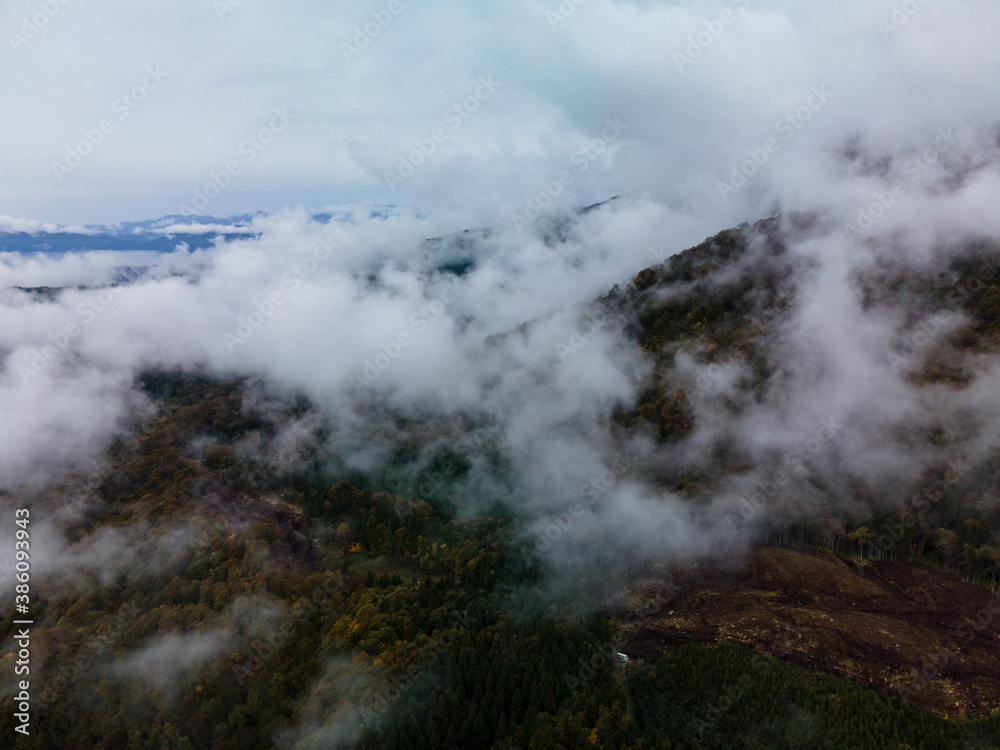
165, 234
161, 235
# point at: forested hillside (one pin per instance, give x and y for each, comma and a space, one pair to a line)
314, 610
222, 589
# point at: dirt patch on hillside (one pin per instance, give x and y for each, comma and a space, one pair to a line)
922, 634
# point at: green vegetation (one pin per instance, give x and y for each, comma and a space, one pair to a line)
383, 615
730, 696
380, 616
682, 306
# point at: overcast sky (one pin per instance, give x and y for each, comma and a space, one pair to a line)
360, 82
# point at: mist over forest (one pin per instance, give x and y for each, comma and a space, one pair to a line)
534, 390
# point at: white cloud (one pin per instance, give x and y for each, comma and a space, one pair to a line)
353, 120
491, 339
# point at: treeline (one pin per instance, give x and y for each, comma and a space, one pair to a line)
944, 523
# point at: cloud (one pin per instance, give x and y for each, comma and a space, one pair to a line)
341, 703
872, 136
33, 226
366, 316
886, 138
168, 661
168, 658
356, 116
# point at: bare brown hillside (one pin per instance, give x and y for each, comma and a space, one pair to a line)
920, 633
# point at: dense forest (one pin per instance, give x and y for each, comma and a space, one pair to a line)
356, 616
321, 606
949, 517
